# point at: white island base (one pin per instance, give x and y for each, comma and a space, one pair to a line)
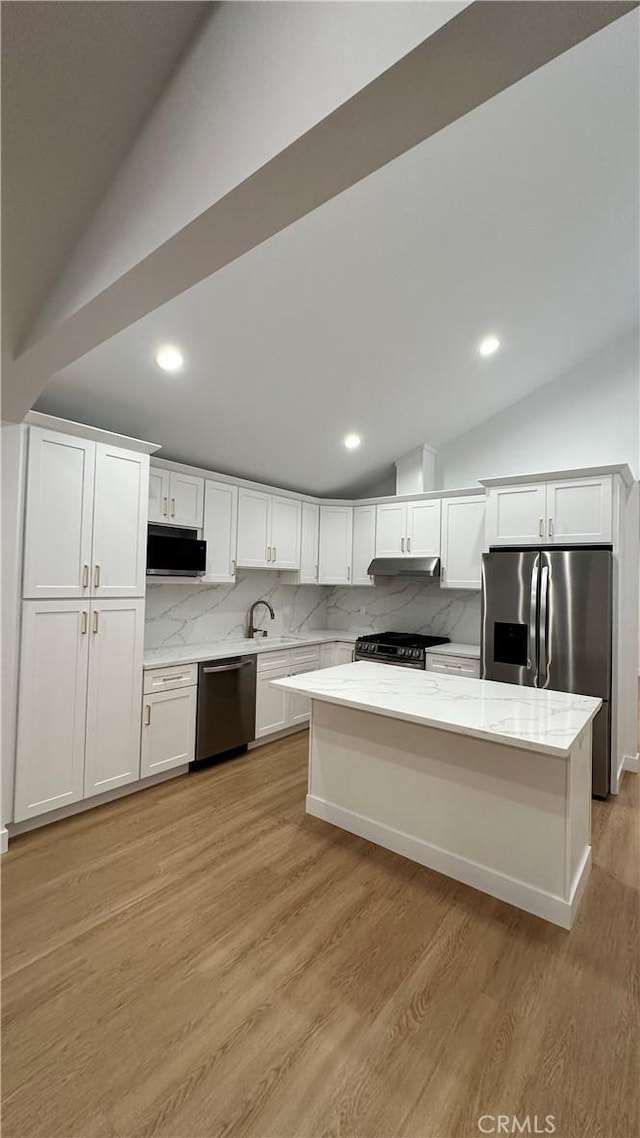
501, 816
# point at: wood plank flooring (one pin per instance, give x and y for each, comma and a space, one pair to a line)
203, 960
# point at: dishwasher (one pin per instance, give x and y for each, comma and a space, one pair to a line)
226, 716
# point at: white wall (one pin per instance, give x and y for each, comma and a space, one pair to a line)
13, 447
587, 417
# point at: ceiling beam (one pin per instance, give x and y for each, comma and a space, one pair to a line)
482, 51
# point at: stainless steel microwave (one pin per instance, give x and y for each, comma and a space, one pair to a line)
174, 552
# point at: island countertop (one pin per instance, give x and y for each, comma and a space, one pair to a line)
536, 720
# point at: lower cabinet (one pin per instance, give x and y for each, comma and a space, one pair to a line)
277, 709
79, 700
331, 655
168, 730
271, 703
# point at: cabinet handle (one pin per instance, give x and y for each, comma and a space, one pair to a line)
83, 627
348, 572
233, 568
268, 553
408, 545
274, 553
402, 545
96, 577
165, 506
85, 577
147, 718
442, 574
96, 619
541, 527
173, 507
550, 527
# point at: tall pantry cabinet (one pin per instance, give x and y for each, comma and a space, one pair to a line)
82, 621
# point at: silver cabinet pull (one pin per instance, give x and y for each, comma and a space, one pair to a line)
541, 527
408, 545
85, 577
348, 572
402, 545
274, 553
165, 506
83, 627
147, 718
96, 620
268, 553
550, 527
173, 679
233, 568
442, 573
96, 577
173, 507
227, 667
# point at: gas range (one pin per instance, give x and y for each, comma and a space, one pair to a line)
405, 649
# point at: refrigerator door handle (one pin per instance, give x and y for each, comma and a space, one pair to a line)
533, 621
544, 616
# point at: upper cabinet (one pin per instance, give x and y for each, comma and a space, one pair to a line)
176, 499
462, 542
574, 511
408, 529
364, 544
86, 518
336, 545
268, 531
309, 544
219, 530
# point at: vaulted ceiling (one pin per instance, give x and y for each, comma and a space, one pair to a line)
518, 218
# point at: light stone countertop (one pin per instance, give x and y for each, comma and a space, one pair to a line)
219, 649
542, 721
472, 651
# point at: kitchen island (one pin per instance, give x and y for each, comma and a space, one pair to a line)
485, 782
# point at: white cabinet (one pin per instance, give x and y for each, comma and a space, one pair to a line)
277, 709
299, 706
79, 707
408, 529
468, 666
572, 511
331, 655
176, 499
580, 510
52, 706
112, 754
219, 530
336, 545
86, 518
309, 544
364, 544
268, 531
271, 703
462, 542
168, 730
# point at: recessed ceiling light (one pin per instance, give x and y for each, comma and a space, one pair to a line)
352, 441
488, 346
169, 358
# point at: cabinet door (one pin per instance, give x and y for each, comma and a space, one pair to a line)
168, 730
112, 755
254, 517
327, 655
271, 703
391, 529
516, 514
120, 523
299, 706
220, 530
159, 493
364, 543
580, 510
336, 541
59, 510
343, 654
462, 542
309, 544
423, 528
52, 706
285, 533
186, 500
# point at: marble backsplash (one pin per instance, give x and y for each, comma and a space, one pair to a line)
197, 614
406, 606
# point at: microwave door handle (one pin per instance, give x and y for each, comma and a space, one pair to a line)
533, 620
544, 621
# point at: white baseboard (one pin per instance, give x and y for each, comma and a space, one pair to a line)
4, 839
549, 906
275, 735
631, 763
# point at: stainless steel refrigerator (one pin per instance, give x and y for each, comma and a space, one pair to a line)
546, 623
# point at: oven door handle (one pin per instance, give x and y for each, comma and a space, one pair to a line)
226, 668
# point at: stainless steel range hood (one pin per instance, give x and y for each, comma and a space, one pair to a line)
404, 567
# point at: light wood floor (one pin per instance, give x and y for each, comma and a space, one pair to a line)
203, 959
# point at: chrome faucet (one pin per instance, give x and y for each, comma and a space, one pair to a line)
251, 631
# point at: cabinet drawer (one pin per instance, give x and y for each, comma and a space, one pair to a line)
307, 655
455, 665
164, 679
269, 660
